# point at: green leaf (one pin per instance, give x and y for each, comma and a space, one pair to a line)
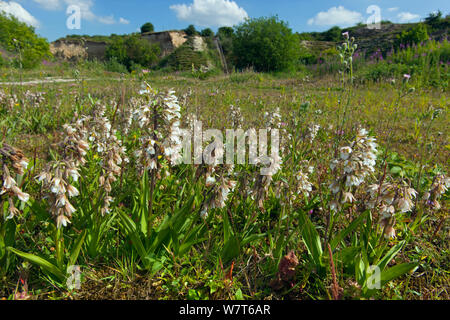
390, 255
311, 239
76, 250
231, 249
353, 225
239, 295
44, 264
396, 271
134, 234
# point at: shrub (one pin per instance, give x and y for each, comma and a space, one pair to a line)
414, 35
21, 39
191, 31
115, 66
207, 33
265, 44
225, 32
133, 50
147, 27
333, 34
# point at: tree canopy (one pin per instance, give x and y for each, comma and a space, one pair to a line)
266, 44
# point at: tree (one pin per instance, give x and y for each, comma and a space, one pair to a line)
20, 38
413, 35
266, 44
225, 32
207, 33
133, 50
191, 31
147, 27
434, 19
333, 34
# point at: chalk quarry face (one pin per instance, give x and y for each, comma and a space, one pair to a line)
169, 41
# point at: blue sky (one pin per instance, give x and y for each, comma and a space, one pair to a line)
126, 16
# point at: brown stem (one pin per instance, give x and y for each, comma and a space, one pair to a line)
335, 287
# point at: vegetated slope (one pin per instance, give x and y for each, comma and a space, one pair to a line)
189, 54
372, 40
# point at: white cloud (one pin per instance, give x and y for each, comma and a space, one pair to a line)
392, 9
16, 10
107, 20
210, 13
124, 21
86, 7
336, 16
407, 16
49, 4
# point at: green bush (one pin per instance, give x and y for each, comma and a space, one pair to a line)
115, 66
191, 31
207, 33
333, 34
133, 50
414, 35
2, 61
21, 39
266, 44
147, 27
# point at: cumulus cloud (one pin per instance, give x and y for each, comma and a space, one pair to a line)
16, 10
210, 13
49, 4
124, 21
392, 9
336, 16
86, 7
407, 16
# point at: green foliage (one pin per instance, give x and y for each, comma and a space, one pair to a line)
21, 39
184, 57
133, 50
333, 34
426, 62
191, 31
207, 33
225, 32
115, 66
414, 35
147, 27
265, 44
436, 21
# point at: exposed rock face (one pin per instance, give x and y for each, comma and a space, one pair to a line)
168, 40
199, 44
76, 50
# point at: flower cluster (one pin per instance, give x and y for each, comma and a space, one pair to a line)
388, 199
261, 182
8, 101
34, 99
103, 139
218, 184
57, 174
355, 162
161, 119
313, 129
10, 156
440, 185
273, 119
304, 186
235, 117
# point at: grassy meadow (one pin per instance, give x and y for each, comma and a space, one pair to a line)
96, 204
140, 227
